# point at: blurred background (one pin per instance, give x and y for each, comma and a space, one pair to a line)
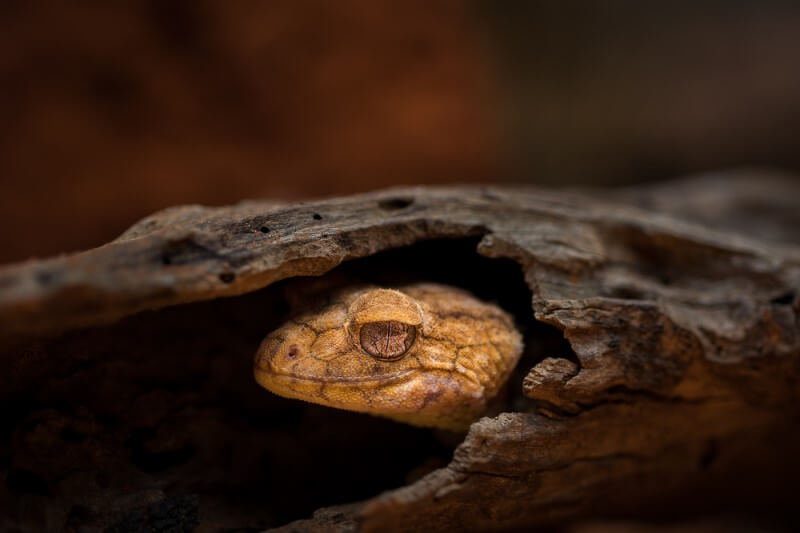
111, 111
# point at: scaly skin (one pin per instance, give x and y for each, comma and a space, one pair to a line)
424, 354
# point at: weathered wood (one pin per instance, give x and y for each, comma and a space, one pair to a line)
686, 339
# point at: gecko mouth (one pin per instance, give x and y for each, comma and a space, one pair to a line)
346, 380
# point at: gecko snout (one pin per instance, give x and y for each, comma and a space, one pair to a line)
277, 354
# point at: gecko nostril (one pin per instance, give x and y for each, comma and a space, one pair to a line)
292, 353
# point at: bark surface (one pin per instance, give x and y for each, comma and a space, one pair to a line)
678, 390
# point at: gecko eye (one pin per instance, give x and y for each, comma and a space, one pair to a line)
387, 340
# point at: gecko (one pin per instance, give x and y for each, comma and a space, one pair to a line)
426, 354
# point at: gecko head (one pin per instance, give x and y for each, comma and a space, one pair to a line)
372, 350
339, 355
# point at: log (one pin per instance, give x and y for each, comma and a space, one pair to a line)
128, 385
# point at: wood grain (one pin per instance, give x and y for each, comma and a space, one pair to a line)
686, 338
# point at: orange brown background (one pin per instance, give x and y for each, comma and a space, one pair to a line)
110, 111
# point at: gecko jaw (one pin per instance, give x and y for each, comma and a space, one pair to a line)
396, 377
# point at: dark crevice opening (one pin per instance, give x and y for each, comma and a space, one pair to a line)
784, 299
453, 262
500, 281
414, 451
393, 204
184, 374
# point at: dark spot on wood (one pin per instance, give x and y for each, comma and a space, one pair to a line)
784, 299
317, 216
627, 293
184, 252
45, 277
344, 240
394, 204
260, 223
227, 277
489, 195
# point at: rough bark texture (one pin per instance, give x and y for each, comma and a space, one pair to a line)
680, 397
